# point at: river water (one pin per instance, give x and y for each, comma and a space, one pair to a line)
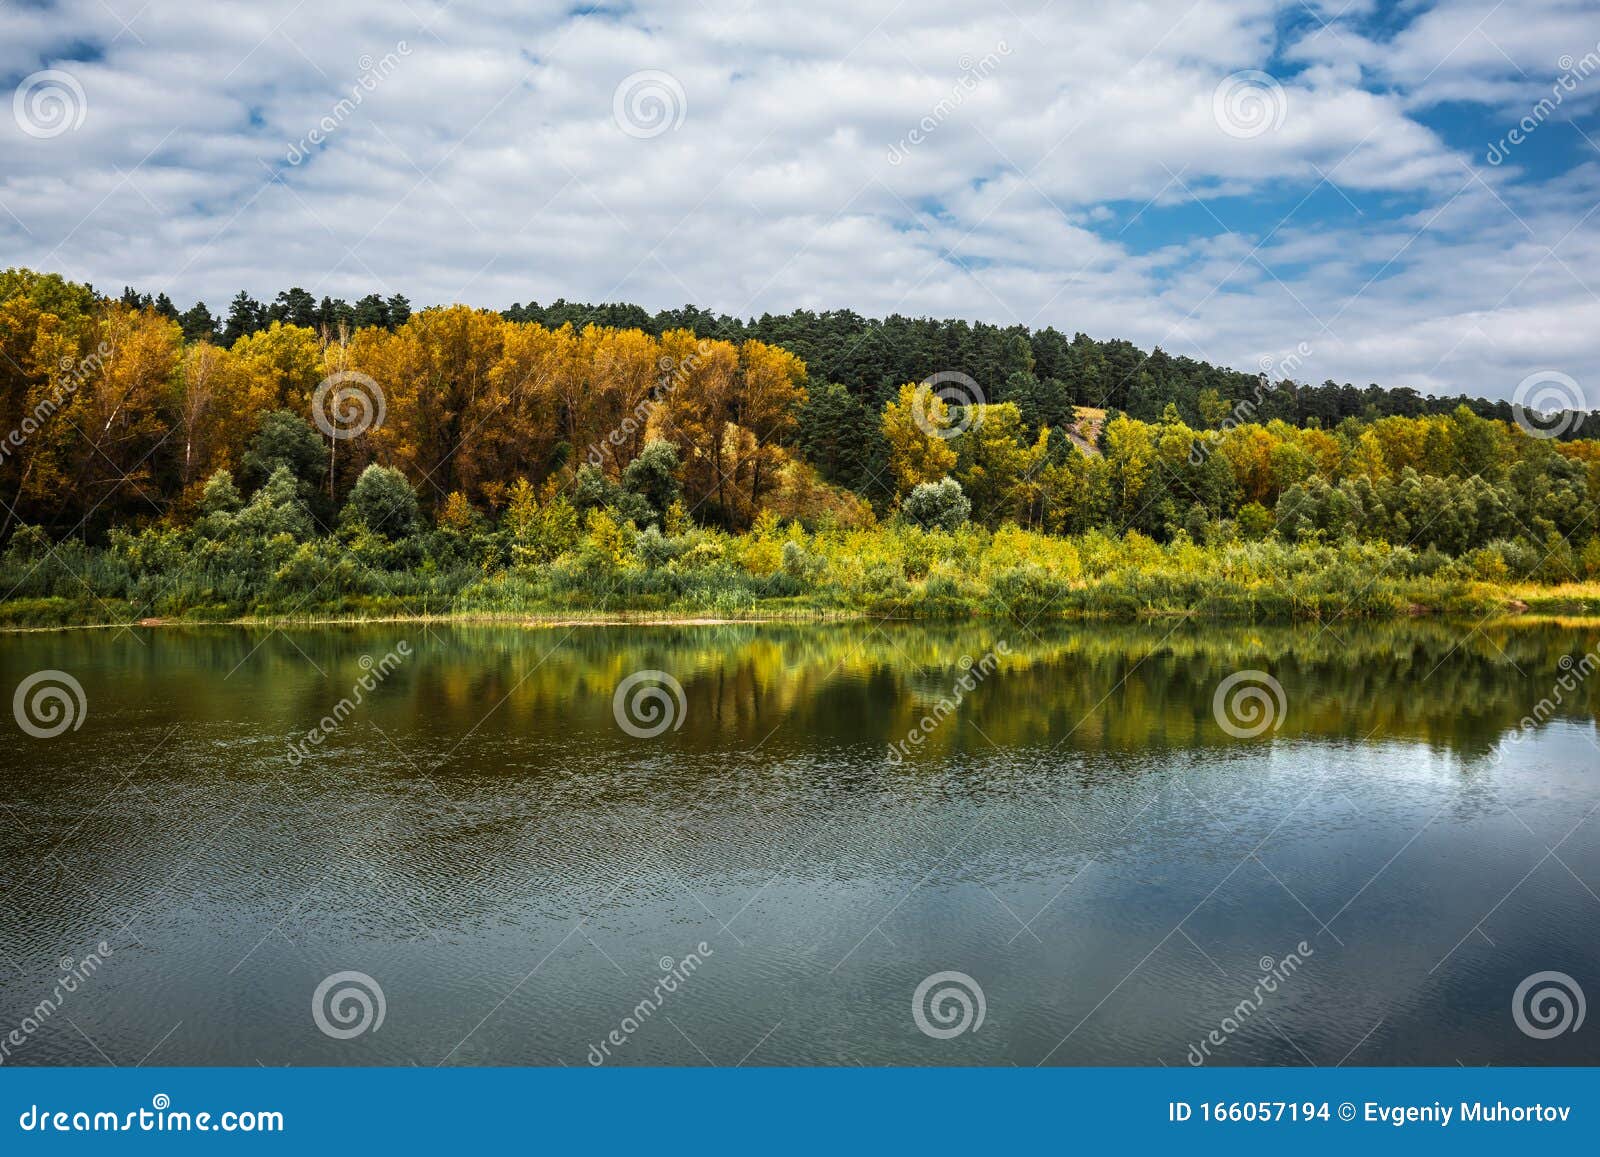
852, 844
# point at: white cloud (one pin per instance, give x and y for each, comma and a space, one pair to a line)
487, 167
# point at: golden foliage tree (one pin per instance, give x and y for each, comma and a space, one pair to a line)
911, 424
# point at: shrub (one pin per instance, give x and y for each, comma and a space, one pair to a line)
384, 502
940, 505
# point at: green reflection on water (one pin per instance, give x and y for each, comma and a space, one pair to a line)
1121, 688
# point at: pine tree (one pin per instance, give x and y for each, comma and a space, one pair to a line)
246, 315
198, 324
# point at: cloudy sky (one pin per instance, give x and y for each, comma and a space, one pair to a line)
1332, 183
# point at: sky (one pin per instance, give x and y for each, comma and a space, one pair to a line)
1397, 193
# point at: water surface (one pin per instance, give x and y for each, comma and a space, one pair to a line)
1079, 836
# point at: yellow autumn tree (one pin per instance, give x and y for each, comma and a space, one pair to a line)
994, 459
118, 416
912, 424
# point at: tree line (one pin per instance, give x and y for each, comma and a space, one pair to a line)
122, 412
1043, 370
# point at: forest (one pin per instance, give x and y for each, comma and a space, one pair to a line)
305, 458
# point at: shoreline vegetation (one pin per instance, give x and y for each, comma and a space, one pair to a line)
1576, 613
305, 463
1571, 604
